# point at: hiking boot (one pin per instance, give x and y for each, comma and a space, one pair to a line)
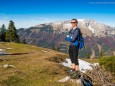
71, 71
76, 75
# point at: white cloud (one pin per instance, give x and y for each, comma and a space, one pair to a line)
24, 21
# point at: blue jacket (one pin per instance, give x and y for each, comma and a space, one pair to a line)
72, 36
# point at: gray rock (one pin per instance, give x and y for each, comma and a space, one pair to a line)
8, 66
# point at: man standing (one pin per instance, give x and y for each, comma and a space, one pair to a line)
74, 48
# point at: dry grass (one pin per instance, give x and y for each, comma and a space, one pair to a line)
38, 68
96, 60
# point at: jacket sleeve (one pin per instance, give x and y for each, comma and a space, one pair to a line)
75, 35
68, 38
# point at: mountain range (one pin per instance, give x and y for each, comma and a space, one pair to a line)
99, 38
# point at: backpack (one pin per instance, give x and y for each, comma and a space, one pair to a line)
86, 80
81, 40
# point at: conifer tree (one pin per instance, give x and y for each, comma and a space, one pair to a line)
2, 33
11, 33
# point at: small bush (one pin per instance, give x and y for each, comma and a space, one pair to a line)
108, 63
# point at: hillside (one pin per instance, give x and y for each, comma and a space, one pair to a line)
38, 67
28, 65
98, 37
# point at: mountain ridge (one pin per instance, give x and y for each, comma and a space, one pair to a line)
52, 35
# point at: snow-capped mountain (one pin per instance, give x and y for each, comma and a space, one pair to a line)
97, 29
98, 36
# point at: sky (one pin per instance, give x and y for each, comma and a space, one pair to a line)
27, 13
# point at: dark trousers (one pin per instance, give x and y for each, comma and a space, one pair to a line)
73, 54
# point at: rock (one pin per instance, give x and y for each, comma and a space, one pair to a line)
96, 64
44, 51
1, 50
5, 66
8, 66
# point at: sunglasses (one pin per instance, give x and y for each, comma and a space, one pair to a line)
73, 22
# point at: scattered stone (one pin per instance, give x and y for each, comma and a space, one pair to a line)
1, 50
44, 51
96, 64
8, 66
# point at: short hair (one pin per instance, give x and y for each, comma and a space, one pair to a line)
75, 20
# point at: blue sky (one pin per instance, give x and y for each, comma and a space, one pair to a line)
26, 13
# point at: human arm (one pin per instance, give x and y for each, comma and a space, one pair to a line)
75, 35
68, 37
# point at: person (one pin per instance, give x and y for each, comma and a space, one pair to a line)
73, 49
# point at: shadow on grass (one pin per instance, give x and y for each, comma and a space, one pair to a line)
16, 53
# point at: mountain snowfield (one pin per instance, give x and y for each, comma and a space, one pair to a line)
83, 66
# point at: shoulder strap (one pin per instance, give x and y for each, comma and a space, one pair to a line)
70, 31
75, 30
80, 33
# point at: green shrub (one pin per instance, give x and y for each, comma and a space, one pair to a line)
108, 63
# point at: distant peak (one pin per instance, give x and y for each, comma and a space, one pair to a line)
80, 19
